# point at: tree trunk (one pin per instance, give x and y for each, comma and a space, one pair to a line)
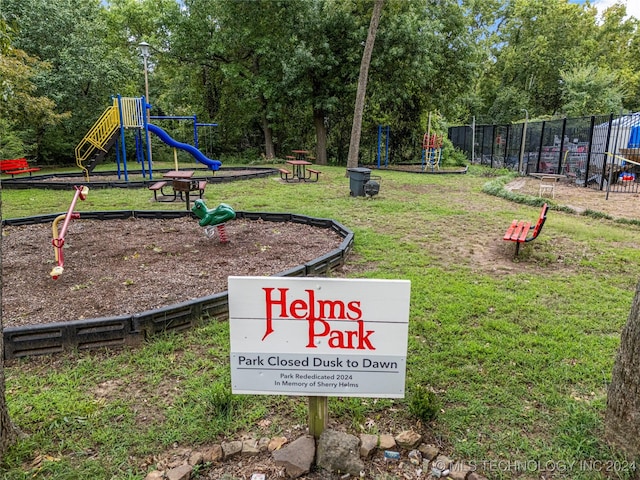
269, 149
622, 418
321, 137
356, 128
8, 431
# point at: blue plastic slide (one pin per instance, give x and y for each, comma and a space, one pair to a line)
197, 154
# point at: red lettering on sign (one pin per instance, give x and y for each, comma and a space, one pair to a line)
317, 312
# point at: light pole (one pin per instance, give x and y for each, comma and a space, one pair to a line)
473, 140
144, 51
524, 136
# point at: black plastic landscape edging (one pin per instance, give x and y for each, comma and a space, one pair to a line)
37, 181
128, 330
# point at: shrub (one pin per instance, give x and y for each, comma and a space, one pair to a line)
424, 404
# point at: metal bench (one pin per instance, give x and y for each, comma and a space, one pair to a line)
16, 166
521, 231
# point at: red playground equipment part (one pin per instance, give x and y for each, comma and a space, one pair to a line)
58, 239
222, 233
431, 141
431, 150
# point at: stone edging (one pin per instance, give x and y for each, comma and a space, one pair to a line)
400, 454
118, 331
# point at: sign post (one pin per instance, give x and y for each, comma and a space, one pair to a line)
318, 415
318, 337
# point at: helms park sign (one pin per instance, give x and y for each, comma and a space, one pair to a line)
318, 336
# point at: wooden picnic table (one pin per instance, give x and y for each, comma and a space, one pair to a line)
183, 184
182, 174
300, 154
299, 168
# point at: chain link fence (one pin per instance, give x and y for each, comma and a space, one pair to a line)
600, 152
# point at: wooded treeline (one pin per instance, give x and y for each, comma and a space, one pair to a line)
282, 74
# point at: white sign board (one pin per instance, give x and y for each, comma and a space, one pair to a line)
318, 336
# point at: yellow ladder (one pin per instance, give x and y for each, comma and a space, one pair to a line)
106, 126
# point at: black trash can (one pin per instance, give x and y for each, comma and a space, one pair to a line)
357, 178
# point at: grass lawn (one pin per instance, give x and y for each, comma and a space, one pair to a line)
518, 351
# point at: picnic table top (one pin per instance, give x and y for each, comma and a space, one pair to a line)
179, 174
548, 175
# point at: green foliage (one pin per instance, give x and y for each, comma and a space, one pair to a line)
553, 57
589, 90
452, 156
423, 403
11, 145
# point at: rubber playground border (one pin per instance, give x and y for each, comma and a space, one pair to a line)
38, 181
397, 167
132, 330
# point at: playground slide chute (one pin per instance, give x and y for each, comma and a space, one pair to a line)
197, 154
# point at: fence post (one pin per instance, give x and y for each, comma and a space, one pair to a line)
473, 139
493, 142
506, 144
606, 149
564, 129
591, 130
523, 140
540, 145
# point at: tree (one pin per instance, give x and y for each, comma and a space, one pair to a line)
249, 43
536, 39
85, 69
356, 129
590, 90
617, 51
22, 110
8, 431
319, 73
622, 417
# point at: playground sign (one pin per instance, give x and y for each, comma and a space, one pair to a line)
318, 336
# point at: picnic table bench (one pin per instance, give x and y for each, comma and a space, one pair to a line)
311, 172
16, 166
522, 231
285, 174
178, 187
158, 186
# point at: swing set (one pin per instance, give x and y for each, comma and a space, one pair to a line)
431, 149
197, 126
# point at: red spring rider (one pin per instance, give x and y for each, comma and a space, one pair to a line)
58, 239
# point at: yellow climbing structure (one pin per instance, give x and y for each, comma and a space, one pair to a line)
103, 131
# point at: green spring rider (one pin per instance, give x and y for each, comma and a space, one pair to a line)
213, 219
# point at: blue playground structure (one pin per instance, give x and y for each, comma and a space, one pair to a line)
109, 130
383, 132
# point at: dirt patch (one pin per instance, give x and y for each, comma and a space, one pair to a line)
119, 267
579, 198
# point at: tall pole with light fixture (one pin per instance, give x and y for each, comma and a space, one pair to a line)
144, 52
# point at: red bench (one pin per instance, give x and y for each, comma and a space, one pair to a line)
521, 231
15, 166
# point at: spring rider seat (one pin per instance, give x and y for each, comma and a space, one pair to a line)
213, 219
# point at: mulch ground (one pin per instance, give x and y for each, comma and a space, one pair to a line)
119, 267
